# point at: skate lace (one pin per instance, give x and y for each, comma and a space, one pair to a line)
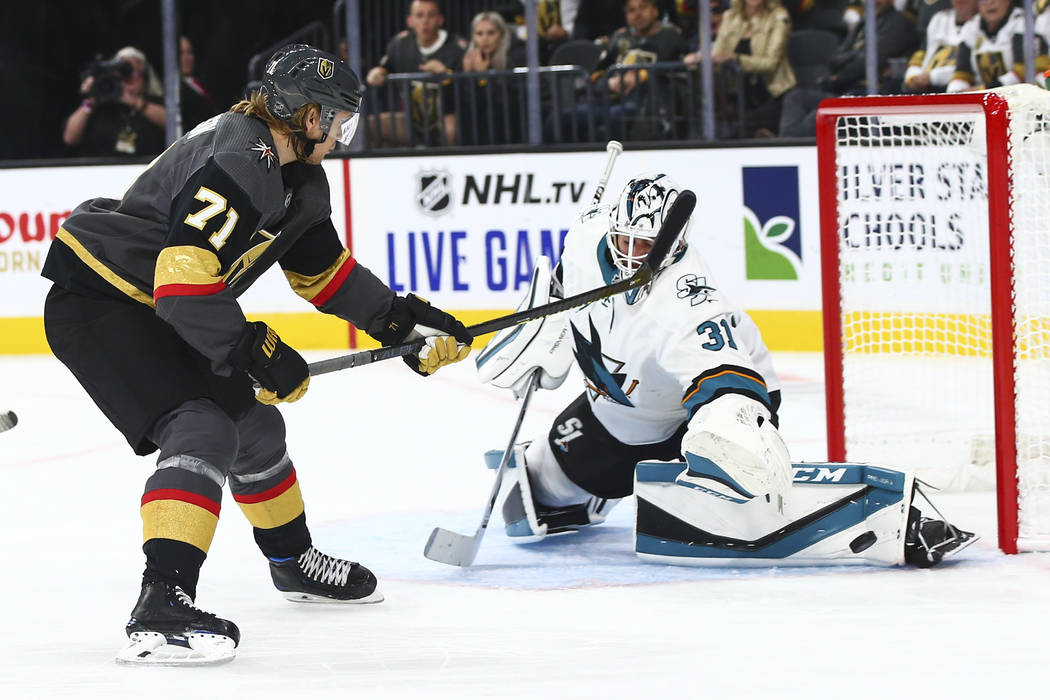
185, 599
324, 568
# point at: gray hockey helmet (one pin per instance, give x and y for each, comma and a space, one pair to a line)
299, 74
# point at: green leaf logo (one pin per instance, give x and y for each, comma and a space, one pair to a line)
765, 257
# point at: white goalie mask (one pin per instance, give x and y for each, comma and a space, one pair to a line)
636, 219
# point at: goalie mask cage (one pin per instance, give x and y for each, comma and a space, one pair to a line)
935, 245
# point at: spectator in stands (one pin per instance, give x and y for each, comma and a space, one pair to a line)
991, 50
196, 103
121, 112
556, 19
931, 67
754, 34
645, 39
491, 114
896, 38
424, 47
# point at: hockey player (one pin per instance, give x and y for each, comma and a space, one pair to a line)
674, 371
144, 312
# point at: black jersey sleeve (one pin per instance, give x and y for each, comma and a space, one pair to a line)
322, 271
211, 226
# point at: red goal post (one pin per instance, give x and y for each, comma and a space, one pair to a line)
935, 245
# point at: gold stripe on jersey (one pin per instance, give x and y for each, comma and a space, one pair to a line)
186, 264
172, 519
104, 272
309, 286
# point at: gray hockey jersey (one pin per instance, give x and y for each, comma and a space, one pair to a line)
204, 220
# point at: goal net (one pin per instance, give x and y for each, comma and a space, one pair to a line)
935, 239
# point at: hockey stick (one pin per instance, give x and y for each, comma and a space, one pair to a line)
8, 420
672, 226
450, 547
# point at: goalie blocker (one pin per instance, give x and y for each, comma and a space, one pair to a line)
835, 513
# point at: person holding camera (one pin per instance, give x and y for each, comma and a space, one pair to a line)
120, 114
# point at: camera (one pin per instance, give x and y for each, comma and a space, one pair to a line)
108, 76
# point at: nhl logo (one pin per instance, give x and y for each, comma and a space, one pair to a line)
434, 194
325, 68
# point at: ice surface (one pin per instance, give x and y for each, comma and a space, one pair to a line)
383, 456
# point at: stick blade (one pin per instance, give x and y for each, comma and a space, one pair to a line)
450, 548
674, 222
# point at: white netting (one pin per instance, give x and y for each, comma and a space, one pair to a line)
916, 303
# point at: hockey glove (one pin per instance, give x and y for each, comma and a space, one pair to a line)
280, 370
411, 318
545, 344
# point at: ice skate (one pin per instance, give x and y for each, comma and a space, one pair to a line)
528, 520
166, 629
929, 541
314, 577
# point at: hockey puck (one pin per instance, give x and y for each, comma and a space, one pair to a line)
8, 420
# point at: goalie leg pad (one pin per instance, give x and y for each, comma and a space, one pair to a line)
838, 514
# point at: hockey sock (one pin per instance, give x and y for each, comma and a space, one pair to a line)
180, 510
173, 562
285, 541
274, 507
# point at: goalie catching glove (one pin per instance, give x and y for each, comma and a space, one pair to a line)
545, 345
411, 318
281, 371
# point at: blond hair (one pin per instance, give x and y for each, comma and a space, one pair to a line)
255, 106
498, 61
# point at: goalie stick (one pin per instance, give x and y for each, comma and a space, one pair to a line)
672, 225
8, 420
450, 547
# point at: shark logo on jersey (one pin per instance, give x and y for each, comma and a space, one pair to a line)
265, 152
694, 288
600, 380
434, 193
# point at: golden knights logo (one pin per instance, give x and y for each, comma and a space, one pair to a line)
325, 68
434, 192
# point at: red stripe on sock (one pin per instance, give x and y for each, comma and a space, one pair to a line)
184, 496
268, 493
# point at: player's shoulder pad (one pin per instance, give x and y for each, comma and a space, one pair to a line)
687, 289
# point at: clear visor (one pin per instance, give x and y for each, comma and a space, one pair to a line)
347, 129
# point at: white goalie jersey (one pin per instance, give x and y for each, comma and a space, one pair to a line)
653, 356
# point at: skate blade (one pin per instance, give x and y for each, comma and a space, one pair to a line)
297, 597
964, 541
156, 649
